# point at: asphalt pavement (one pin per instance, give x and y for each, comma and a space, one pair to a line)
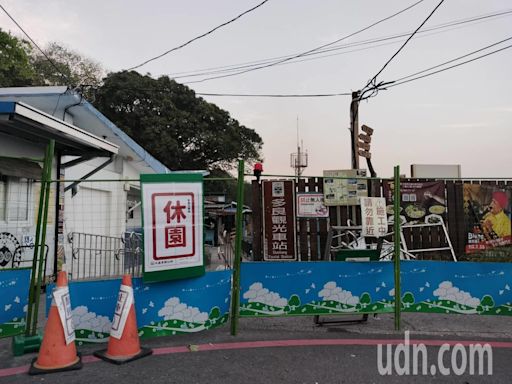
291, 350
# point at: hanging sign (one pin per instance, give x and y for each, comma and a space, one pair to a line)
279, 228
172, 207
63, 303
373, 216
311, 205
123, 306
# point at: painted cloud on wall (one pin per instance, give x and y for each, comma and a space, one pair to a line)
258, 294
331, 292
446, 291
174, 310
83, 319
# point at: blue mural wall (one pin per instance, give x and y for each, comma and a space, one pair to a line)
14, 289
312, 288
288, 289
463, 287
165, 308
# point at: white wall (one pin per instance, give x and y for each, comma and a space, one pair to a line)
24, 232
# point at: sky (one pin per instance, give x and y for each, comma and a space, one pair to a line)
461, 116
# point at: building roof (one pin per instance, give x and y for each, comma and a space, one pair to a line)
24, 121
68, 105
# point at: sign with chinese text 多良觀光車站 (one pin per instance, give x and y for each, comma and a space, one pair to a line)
172, 206
373, 216
279, 228
311, 205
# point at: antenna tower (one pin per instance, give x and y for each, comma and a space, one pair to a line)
299, 159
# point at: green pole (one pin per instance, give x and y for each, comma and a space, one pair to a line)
31, 296
235, 293
40, 272
396, 230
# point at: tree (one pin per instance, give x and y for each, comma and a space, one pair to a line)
15, 67
180, 129
407, 300
24, 65
486, 304
68, 68
364, 301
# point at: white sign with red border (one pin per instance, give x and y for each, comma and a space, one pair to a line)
374, 217
62, 300
123, 306
173, 226
311, 205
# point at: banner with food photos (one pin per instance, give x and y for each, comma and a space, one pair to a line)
420, 202
487, 213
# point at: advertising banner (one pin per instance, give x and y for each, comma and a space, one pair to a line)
346, 191
279, 228
420, 202
487, 211
172, 210
311, 205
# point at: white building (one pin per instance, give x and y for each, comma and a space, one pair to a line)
89, 222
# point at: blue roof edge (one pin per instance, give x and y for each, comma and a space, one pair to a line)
7, 106
156, 165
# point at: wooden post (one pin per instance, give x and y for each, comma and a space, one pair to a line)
354, 128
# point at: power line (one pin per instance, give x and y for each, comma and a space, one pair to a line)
35, 44
450, 67
249, 64
451, 61
374, 78
168, 90
311, 50
274, 95
198, 37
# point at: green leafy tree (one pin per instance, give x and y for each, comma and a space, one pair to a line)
214, 313
24, 65
486, 304
407, 299
180, 129
15, 67
364, 301
294, 301
68, 68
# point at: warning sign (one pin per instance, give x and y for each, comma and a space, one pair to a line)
63, 303
173, 225
124, 303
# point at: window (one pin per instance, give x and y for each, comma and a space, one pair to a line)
15, 199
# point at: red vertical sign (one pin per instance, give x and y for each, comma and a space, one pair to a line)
279, 226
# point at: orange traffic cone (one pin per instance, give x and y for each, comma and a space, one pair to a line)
123, 344
57, 354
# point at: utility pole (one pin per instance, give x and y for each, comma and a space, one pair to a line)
354, 128
360, 142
